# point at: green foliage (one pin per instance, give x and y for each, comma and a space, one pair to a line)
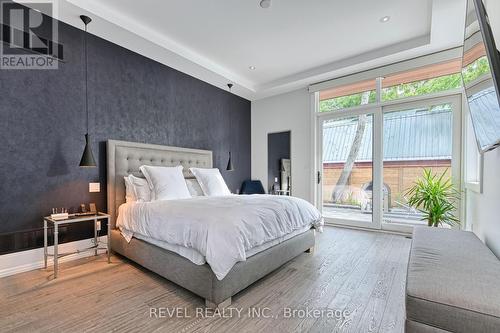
438, 84
435, 197
476, 69
417, 88
344, 102
423, 87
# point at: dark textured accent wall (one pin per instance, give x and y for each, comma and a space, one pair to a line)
132, 98
278, 147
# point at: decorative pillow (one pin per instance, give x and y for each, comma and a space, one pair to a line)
137, 189
194, 188
167, 183
211, 182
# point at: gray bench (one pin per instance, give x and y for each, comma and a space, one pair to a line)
453, 283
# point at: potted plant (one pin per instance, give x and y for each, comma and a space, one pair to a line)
436, 197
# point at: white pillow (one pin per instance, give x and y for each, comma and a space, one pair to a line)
194, 188
167, 183
211, 181
137, 189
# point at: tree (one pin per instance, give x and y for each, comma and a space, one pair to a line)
476, 69
417, 88
424, 87
353, 153
344, 102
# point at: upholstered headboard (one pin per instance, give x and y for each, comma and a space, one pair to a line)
124, 158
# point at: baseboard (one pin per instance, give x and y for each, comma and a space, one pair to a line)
23, 261
382, 231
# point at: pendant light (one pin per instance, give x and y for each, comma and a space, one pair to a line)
87, 157
229, 166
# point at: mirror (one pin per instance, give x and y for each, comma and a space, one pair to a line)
481, 77
279, 168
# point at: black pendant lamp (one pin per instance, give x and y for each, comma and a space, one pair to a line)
229, 166
87, 157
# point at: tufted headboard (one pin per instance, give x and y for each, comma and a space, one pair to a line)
124, 158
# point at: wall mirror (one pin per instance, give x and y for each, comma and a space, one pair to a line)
279, 166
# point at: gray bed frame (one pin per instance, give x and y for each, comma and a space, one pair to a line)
124, 158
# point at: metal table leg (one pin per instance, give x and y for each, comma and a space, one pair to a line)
95, 236
56, 254
45, 243
109, 241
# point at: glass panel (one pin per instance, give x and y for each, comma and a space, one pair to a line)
414, 140
348, 168
348, 101
479, 68
347, 96
422, 87
472, 157
423, 80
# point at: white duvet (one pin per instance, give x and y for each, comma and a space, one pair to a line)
222, 229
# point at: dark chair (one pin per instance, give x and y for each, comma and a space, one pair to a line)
252, 187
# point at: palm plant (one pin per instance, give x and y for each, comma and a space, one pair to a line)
435, 196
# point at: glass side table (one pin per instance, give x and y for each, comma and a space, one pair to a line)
74, 219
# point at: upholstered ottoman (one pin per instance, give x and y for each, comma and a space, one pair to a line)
453, 283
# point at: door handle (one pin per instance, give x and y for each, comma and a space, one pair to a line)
319, 177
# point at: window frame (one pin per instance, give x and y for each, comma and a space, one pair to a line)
470, 150
379, 108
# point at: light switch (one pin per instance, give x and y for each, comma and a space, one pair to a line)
94, 187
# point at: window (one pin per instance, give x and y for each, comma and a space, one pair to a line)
414, 139
347, 96
422, 87
344, 102
473, 167
476, 69
422, 81
369, 157
348, 168
475, 64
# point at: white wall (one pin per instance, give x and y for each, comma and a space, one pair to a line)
290, 111
483, 210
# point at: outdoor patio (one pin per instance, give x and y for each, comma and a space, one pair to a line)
394, 215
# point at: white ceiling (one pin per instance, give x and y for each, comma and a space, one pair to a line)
292, 44
289, 37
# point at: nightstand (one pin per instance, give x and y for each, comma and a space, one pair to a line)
74, 219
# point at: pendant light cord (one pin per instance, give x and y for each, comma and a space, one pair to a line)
230, 120
86, 81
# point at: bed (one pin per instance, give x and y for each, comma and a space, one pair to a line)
125, 158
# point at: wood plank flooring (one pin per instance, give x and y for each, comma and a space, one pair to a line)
355, 280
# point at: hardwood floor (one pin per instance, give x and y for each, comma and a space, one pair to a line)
355, 280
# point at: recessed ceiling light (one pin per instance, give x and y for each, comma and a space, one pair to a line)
251, 68
385, 19
265, 3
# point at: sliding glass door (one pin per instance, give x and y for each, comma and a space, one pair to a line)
347, 172
415, 139
368, 158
